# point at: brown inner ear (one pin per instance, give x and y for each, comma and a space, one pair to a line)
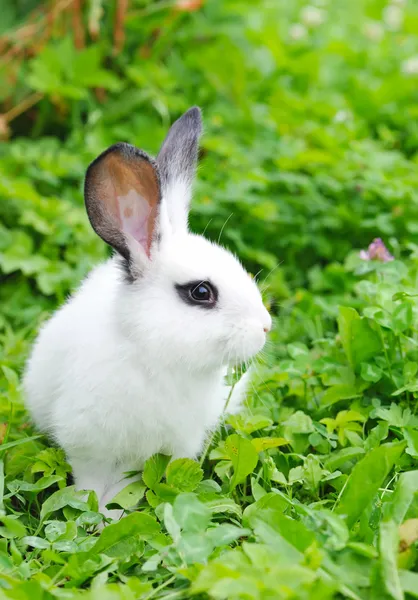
139, 175
123, 179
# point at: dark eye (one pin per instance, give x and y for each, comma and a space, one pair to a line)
198, 293
202, 292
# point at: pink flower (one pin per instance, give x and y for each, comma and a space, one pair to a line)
376, 251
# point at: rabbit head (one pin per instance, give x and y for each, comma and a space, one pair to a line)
183, 298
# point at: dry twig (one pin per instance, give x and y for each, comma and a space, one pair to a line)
78, 24
119, 31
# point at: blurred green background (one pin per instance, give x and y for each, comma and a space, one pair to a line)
311, 131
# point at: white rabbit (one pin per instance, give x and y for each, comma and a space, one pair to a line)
133, 364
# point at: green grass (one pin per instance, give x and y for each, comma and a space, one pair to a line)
310, 152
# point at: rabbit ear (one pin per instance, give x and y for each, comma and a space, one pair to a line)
176, 162
122, 196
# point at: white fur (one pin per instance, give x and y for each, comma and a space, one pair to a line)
125, 370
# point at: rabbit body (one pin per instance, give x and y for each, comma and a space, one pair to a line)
98, 394
133, 364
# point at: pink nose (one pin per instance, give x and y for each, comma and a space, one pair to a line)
267, 323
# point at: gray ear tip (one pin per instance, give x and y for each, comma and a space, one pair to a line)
195, 112
194, 118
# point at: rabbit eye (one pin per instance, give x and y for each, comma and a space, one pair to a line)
198, 293
202, 292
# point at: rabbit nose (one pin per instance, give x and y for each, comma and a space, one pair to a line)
267, 324
265, 319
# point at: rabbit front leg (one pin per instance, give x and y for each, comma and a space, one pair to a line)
231, 401
104, 478
187, 448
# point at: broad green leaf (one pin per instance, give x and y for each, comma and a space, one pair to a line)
359, 340
366, 342
367, 477
89, 518
376, 435
337, 459
265, 443
190, 513
25, 486
395, 415
173, 528
249, 423
257, 490
195, 547
299, 422
370, 372
410, 387
411, 436
121, 539
66, 497
281, 532
243, 456
279, 477
402, 317
363, 549
410, 370
345, 319
154, 469
276, 502
83, 565
165, 492
312, 471
221, 580
130, 495
329, 527
184, 474
224, 505
35, 542
405, 491
11, 527
335, 393
117, 591
66, 530
297, 349
295, 475
409, 582
386, 579
226, 533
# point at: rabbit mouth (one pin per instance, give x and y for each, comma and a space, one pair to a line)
246, 343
